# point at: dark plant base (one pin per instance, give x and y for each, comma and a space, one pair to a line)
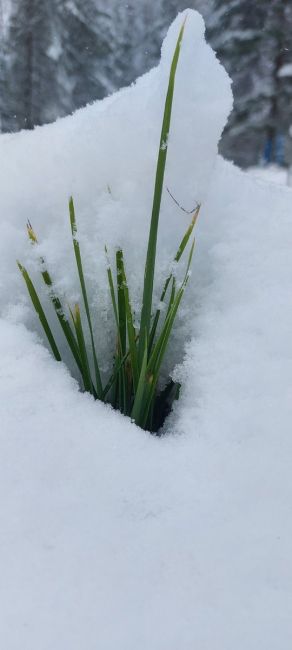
163, 406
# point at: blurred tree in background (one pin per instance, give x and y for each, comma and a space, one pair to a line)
277, 53
30, 83
235, 30
253, 40
58, 55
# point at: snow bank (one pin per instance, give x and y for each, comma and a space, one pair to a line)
106, 157
111, 538
272, 174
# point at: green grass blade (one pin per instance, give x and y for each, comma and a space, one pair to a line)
56, 302
159, 350
172, 296
159, 181
176, 259
160, 346
137, 409
122, 316
40, 312
116, 370
84, 293
114, 381
114, 375
130, 326
186, 237
123, 308
65, 325
87, 381
112, 290
122, 332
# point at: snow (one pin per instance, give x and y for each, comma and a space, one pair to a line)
111, 538
271, 173
285, 70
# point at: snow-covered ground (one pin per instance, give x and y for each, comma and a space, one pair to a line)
272, 174
111, 538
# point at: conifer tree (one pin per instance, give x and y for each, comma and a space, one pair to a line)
30, 92
235, 32
86, 36
252, 41
276, 48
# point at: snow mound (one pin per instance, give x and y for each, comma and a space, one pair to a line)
106, 156
271, 174
111, 538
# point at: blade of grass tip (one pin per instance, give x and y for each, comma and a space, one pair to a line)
84, 293
137, 409
159, 181
130, 326
56, 302
76, 317
122, 330
176, 259
187, 235
40, 312
158, 353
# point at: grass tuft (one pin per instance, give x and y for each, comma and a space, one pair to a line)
138, 355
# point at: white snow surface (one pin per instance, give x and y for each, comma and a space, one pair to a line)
111, 538
272, 174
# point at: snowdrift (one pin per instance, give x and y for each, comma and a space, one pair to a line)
111, 538
105, 156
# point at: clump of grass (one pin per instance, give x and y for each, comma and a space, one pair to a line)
139, 353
